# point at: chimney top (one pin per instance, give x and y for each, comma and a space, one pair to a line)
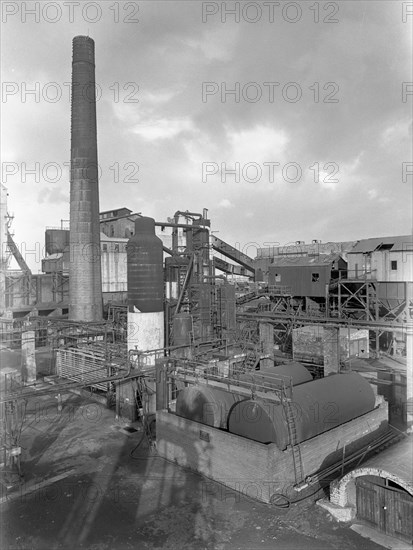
83, 49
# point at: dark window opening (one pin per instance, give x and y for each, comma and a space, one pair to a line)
385, 246
112, 231
393, 265
104, 247
315, 277
116, 248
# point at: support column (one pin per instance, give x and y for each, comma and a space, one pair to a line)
327, 300
267, 344
409, 378
161, 385
409, 357
28, 357
377, 344
331, 349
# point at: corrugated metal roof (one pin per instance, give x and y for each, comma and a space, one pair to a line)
400, 243
300, 261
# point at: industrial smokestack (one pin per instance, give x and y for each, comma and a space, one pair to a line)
85, 278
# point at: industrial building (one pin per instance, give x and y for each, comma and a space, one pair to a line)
277, 373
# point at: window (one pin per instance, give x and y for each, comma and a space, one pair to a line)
315, 277
116, 247
367, 262
104, 247
393, 265
112, 230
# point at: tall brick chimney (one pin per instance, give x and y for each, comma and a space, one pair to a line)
85, 279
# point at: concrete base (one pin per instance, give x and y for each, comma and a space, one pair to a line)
338, 512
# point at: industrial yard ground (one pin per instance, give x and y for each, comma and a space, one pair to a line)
83, 489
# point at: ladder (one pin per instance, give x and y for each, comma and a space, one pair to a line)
295, 447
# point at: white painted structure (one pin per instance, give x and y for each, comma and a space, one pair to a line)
387, 259
145, 331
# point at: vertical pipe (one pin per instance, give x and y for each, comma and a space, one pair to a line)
85, 279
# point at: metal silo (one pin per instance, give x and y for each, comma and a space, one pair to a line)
145, 267
145, 289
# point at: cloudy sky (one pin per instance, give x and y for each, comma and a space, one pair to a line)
288, 121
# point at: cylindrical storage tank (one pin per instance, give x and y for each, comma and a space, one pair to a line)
294, 370
182, 326
259, 420
205, 404
145, 268
317, 407
276, 377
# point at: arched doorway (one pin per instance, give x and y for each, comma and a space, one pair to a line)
380, 498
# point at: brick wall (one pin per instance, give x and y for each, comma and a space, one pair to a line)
253, 468
327, 448
236, 462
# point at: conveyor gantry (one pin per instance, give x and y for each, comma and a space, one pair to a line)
233, 254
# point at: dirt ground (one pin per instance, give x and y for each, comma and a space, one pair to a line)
84, 489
